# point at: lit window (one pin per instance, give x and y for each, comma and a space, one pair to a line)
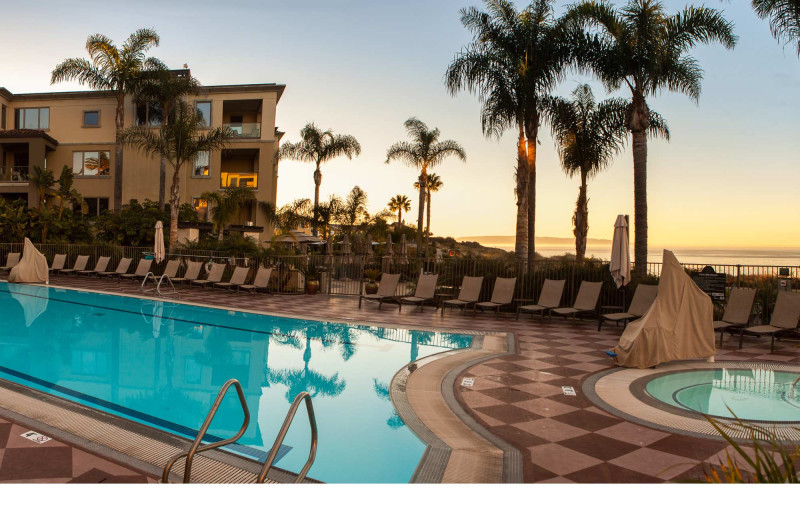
91, 118
201, 207
201, 164
204, 111
244, 180
33, 118
90, 163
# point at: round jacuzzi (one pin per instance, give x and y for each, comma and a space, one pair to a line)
749, 394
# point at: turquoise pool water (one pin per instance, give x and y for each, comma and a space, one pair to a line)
162, 364
754, 394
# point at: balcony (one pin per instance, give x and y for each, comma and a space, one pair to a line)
244, 130
14, 173
243, 180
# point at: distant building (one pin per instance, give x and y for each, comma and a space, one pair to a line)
77, 129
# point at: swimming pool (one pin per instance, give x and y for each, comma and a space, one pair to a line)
162, 364
752, 394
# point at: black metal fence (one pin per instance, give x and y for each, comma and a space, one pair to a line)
345, 275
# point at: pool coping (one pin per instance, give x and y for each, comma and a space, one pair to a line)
436, 460
620, 391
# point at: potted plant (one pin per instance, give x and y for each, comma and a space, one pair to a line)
312, 274
371, 287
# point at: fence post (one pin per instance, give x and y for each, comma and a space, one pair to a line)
738, 275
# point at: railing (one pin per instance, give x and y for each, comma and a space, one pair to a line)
243, 180
244, 130
345, 275
14, 173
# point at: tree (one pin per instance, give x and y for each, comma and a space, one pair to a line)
118, 69
646, 49
227, 204
179, 143
434, 184
162, 89
423, 151
588, 136
784, 19
353, 212
67, 194
319, 147
400, 203
44, 182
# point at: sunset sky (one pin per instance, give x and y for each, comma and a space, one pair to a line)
729, 177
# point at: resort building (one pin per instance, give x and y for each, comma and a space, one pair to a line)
78, 129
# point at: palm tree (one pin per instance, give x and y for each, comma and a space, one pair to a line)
118, 69
318, 147
353, 211
163, 88
179, 143
646, 49
434, 184
227, 203
400, 203
784, 19
44, 183
588, 136
423, 151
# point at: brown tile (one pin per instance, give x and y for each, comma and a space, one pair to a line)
517, 437
561, 460
551, 430
632, 433
508, 414
545, 407
5, 430
36, 463
599, 447
690, 447
588, 420
654, 463
610, 473
508, 394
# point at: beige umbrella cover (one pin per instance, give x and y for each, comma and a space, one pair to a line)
329, 245
32, 267
346, 247
368, 246
620, 253
403, 254
158, 248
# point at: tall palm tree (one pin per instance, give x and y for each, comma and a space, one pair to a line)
118, 69
227, 204
588, 136
163, 89
643, 47
400, 203
353, 211
179, 143
423, 151
434, 184
784, 19
319, 146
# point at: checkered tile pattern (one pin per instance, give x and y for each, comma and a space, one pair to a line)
519, 397
25, 461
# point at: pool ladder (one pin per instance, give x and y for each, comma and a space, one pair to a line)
273, 453
158, 283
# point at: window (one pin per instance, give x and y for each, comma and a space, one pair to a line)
201, 207
244, 180
91, 118
204, 110
201, 165
95, 205
90, 163
32, 118
3, 118
148, 114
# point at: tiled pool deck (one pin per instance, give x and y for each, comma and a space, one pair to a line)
519, 397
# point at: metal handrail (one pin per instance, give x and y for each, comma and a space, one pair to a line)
196, 448
146, 277
287, 422
161, 280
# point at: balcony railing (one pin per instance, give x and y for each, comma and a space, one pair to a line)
14, 173
244, 180
244, 130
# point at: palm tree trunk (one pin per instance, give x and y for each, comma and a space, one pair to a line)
581, 220
118, 156
521, 241
174, 202
640, 201
162, 182
423, 180
532, 133
399, 217
317, 182
428, 223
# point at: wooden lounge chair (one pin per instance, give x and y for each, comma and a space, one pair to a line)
80, 265
502, 295
261, 280
99, 267
643, 298
238, 278
58, 263
585, 301
192, 273
386, 289
11, 260
549, 298
737, 312
142, 268
122, 268
214, 275
784, 318
468, 295
426, 289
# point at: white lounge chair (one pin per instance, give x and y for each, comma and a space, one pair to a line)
737, 312
261, 281
58, 263
192, 273
502, 295
425, 291
386, 289
238, 278
784, 318
12, 259
99, 267
585, 301
468, 295
549, 298
142, 268
642, 300
214, 275
79, 265
122, 268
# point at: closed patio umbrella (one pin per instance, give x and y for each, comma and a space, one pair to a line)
346, 250
403, 254
158, 248
368, 246
329, 245
388, 257
620, 253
